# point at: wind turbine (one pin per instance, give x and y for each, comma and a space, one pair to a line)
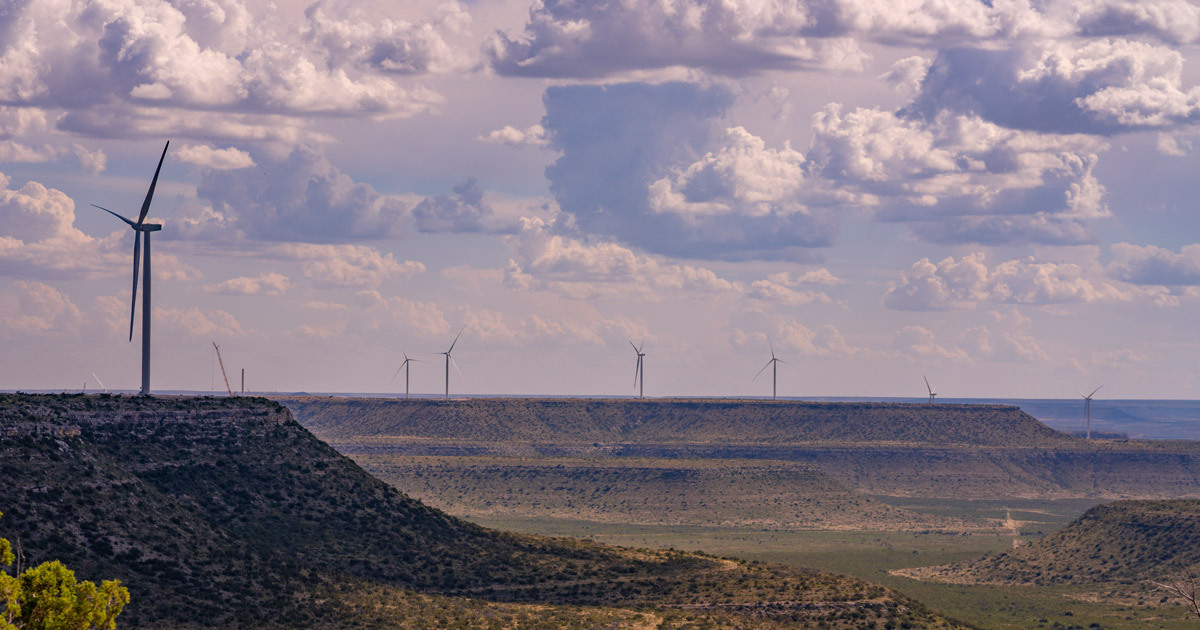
100, 381
139, 228
639, 373
450, 360
407, 372
1087, 409
774, 365
932, 394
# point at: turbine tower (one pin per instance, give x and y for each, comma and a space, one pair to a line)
1087, 409
139, 250
408, 371
932, 394
774, 365
450, 360
639, 373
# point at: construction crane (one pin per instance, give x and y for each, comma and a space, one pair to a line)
222, 364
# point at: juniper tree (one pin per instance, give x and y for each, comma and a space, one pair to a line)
48, 597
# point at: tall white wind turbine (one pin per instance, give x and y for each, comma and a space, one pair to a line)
408, 370
932, 394
1087, 409
774, 365
639, 373
142, 251
450, 360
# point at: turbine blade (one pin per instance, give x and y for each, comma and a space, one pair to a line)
643, 345
927, 384
460, 332
398, 371
130, 223
764, 369
137, 259
457, 370
635, 348
637, 370
1094, 391
771, 346
153, 183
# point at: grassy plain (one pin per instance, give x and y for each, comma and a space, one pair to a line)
873, 555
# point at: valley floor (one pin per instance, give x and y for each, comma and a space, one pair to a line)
874, 555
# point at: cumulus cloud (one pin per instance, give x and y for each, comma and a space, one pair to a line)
585, 40
127, 61
1150, 265
920, 342
349, 37
145, 54
216, 159
296, 196
268, 283
35, 309
790, 335
575, 268
961, 178
194, 322
651, 166
380, 313
463, 211
1008, 338
1103, 86
968, 281
38, 234
345, 265
588, 40
533, 135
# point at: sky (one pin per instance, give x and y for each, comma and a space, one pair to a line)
997, 195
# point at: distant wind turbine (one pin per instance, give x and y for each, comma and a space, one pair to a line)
450, 360
139, 228
100, 381
774, 365
639, 373
1087, 409
932, 394
408, 370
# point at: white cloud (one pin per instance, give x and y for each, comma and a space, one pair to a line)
36, 309
401, 314
571, 267
1008, 339
534, 135
920, 342
350, 37
130, 58
196, 323
743, 177
960, 178
267, 283
1150, 265
219, 159
968, 281
345, 265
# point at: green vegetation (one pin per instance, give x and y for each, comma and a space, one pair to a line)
225, 512
48, 597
